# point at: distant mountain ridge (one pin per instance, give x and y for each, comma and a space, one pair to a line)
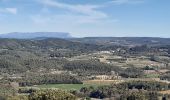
123, 41
31, 35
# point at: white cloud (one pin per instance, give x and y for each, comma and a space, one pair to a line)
89, 12
8, 10
69, 19
58, 19
74, 14
127, 1
12, 10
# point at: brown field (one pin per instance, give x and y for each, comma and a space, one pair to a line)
142, 63
165, 92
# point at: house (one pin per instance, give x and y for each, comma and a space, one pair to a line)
14, 85
150, 72
103, 77
107, 77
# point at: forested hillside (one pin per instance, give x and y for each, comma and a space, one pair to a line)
85, 62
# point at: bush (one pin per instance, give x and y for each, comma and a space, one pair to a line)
51, 95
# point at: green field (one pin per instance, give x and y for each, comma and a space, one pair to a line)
94, 83
152, 76
65, 86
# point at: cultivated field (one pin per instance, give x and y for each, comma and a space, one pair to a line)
102, 82
88, 83
165, 92
64, 86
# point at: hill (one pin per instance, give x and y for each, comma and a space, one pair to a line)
124, 41
20, 35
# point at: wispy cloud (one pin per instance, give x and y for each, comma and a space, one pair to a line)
8, 10
90, 12
12, 10
3, 0
127, 1
68, 18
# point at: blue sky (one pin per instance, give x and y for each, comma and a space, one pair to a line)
141, 18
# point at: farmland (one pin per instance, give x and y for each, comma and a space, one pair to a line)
94, 83
64, 86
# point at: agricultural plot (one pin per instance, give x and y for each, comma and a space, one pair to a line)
102, 82
65, 86
94, 83
152, 76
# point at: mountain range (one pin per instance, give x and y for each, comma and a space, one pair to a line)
22, 35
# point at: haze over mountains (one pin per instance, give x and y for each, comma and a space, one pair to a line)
123, 41
20, 35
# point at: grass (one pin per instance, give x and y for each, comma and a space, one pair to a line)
102, 82
94, 83
152, 76
65, 86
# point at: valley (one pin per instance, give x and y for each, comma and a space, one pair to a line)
97, 68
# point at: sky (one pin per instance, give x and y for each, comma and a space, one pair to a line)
92, 18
